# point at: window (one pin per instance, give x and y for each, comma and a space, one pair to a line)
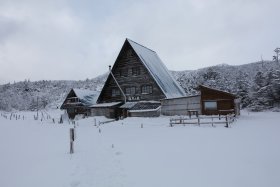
73, 100
147, 89
115, 92
210, 105
136, 71
130, 91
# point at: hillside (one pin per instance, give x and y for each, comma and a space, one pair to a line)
23, 95
257, 84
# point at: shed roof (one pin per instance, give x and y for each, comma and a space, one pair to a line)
216, 90
158, 71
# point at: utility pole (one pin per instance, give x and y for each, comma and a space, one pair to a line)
37, 107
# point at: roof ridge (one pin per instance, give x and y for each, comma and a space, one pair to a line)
140, 45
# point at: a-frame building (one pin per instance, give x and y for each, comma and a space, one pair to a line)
138, 81
79, 101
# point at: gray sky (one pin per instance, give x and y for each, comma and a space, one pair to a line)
75, 40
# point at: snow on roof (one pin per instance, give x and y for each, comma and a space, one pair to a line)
128, 105
188, 96
105, 104
158, 70
87, 97
145, 110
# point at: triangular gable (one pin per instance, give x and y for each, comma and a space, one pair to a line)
158, 71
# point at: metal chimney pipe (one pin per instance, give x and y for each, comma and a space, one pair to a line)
117, 83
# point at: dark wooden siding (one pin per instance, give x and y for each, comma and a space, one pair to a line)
225, 101
127, 60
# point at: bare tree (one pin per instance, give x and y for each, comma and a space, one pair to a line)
276, 56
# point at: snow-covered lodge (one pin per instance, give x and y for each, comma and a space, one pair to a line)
79, 101
139, 84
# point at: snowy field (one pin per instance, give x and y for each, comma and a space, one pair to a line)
36, 153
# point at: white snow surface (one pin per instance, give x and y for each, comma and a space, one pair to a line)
121, 153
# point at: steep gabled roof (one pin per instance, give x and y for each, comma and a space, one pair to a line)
87, 97
158, 70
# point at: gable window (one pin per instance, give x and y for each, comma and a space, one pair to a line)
130, 91
115, 92
135, 71
210, 105
146, 89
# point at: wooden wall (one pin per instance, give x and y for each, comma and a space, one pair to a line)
127, 60
225, 101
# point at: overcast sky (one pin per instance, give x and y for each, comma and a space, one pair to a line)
78, 39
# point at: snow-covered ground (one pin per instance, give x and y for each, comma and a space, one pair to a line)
36, 153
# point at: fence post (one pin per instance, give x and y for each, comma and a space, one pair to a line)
72, 138
226, 121
198, 120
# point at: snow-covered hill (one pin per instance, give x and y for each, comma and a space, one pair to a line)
260, 90
23, 95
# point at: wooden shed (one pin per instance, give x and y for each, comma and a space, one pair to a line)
215, 102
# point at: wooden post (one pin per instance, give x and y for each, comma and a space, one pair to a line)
72, 138
226, 121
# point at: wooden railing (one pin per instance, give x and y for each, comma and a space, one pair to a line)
199, 120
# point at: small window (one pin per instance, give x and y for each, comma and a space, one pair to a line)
115, 92
130, 91
135, 71
210, 105
147, 89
